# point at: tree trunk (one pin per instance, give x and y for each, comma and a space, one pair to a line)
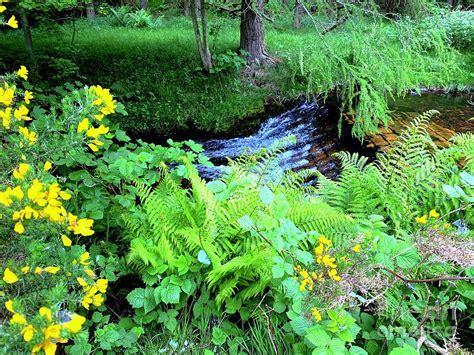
252, 36
143, 4
25, 25
186, 8
90, 10
298, 15
198, 9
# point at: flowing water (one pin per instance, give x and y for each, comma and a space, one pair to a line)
314, 126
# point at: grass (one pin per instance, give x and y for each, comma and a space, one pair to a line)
155, 72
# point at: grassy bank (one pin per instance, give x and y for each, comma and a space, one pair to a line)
155, 72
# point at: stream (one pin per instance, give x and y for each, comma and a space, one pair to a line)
314, 125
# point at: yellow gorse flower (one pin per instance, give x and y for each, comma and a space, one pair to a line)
316, 314
433, 214
421, 220
6, 95
28, 96
66, 241
23, 72
9, 276
6, 115
12, 22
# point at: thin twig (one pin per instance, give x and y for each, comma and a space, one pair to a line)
413, 281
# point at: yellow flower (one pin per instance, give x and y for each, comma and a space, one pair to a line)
319, 249
83, 125
102, 285
18, 319
9, 306
328, 261
28, 332
2, 8
421, 220
47, 166
324, 240
99, 117
29, 136
83, 258
19, 228
6, 117
89, 273
81, 281
6, 95
333, 274
38, 270
45, 312
66, 241
25, 269
93, 147
47, 345
433, 214
9, 276
12, 22
52, 269
65, 195
81, 226
19, 174
53, 331
28, 96
316, 314
75, 324
23, 72
356, 248
96, 132
97, 300
21, 113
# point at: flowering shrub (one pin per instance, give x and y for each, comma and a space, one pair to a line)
47, 290
49, 283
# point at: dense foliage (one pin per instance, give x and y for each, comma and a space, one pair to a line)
115, 245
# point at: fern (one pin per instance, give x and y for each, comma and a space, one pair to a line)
403, 182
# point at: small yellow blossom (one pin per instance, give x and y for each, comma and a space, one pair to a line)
93, 147
17, 318
19, 228
66, 241
23, 72
81, 282
29, 136
25, 269
9, 276
6, 95
9, 306
28, 96
433, 214
75, 324
6, 117
38, 270
52, 269
12, 22
83, 125
80, 226
102, 285
28, 332
316, 314
45, 312
356, 248
2, 8
83, 259
421, 220
47, 166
